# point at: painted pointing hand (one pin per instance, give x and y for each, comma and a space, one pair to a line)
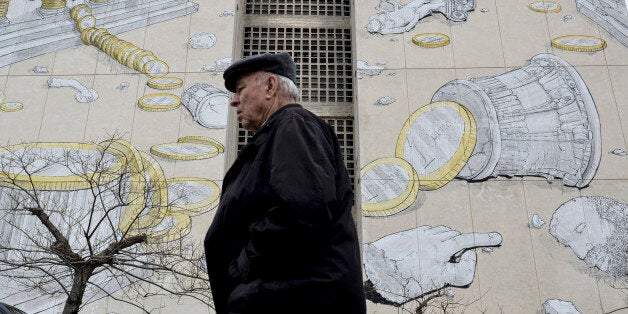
405, 265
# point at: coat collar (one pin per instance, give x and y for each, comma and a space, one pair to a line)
260, 136
273, 117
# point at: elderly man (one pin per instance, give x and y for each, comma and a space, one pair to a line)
283, 239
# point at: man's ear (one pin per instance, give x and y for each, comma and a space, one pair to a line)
272, 86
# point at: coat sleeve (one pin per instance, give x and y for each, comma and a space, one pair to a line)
295, 228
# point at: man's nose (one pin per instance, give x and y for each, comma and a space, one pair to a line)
234, 100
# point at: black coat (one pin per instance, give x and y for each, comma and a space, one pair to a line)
283, 239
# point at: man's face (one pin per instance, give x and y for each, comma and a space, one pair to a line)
250, 102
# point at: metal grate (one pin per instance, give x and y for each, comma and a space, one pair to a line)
344, 130
322, 55
299, 7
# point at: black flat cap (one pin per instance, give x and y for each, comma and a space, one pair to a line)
278, 63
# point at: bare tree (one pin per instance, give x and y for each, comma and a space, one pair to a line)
79, 222
441, 300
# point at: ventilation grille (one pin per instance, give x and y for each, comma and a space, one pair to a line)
296, 7
344, 130
322, 55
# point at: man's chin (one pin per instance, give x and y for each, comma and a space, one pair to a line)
247, 127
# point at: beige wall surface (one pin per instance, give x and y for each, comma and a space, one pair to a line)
493, 164
509, 235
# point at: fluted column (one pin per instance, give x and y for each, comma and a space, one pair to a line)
539, 119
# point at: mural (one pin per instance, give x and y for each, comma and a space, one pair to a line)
559, 306
406, 265
594, 227
612, 15
47, 28
539, 119
207, 104
189, 148
83, 95
482, 180
395, 18
103, 216
535, 120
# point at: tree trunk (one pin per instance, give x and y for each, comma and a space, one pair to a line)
79, 283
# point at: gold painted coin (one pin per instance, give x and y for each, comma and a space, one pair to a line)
117, 49
79, 11
124, 51
86, 34
185, 151
430, 40
141, 59
437, 141
192, 195
388, 186
155, 68
11, 106
545, 6
581, 43
103, 40
159, 102
86, 22
114, 47
96, 34
203, 140
165, 83
130, 58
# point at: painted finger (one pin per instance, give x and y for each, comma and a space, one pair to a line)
473, 240
461, 273
443, 233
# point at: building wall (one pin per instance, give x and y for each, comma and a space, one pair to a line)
399, 82
507, 242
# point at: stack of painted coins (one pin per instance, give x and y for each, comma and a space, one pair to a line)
123, 51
